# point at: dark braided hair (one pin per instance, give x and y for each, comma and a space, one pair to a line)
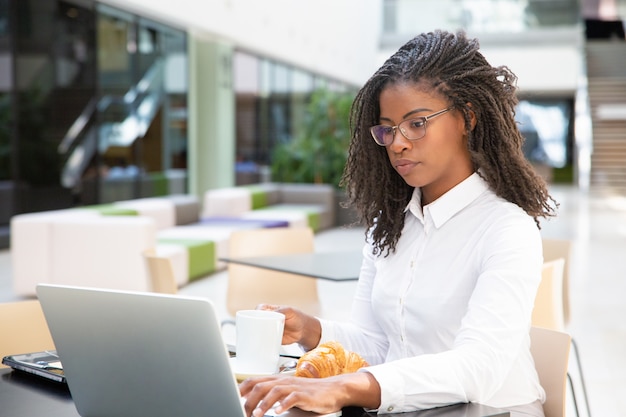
451, 65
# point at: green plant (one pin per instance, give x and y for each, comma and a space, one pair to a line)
318, 153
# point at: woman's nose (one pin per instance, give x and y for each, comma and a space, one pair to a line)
399, 142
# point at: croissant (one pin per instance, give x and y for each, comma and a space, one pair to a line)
328, 359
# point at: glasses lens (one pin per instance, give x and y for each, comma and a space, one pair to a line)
413, 129
383, 135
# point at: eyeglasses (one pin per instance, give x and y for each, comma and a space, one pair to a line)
412, 129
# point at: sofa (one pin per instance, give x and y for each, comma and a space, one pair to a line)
103, 245
99, 245
310, 205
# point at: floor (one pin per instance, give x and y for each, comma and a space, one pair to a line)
594, 221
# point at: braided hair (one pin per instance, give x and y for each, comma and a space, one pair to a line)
451, 65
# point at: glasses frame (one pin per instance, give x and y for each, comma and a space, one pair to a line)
398, 127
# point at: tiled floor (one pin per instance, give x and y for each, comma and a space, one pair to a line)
594, 221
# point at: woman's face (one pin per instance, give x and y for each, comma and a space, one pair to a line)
439, 160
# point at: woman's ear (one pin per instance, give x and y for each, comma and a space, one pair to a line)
472, 116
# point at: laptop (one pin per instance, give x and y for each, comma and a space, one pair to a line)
134, 354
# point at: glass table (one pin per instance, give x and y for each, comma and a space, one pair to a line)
332, 266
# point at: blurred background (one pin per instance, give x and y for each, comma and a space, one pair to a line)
103, 101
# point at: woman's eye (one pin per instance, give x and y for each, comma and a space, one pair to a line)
417, 123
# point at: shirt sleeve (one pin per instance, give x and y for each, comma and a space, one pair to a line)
362, 333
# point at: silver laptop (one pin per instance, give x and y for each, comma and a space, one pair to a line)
130, 354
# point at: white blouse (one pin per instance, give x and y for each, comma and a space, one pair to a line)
445, 319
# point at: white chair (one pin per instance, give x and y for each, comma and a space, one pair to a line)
550, 351
250, 286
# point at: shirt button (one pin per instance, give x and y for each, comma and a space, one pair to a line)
390, 408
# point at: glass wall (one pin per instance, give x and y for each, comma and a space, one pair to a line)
142, 112
53, 43
478, 16
6, 77
93, 106
548, 129
271, 103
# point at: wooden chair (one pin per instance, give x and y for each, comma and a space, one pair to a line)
23, 328
250, 286
548, 310
548, 313
161, 273
550, 351
555, 249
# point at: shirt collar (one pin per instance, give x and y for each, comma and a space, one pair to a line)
453, 201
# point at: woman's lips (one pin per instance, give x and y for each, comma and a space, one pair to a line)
404, 166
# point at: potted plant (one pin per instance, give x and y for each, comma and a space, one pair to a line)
318, 153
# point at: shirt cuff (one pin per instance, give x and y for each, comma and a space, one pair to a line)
328, 330
391, 388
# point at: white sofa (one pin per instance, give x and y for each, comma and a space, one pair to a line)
80, 249
97, 245
103, 245
310, 205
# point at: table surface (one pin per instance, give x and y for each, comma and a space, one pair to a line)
333, 266
25, 395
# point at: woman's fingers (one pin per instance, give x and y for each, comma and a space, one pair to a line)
257, 394
284, 393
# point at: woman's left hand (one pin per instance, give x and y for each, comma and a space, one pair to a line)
320, 395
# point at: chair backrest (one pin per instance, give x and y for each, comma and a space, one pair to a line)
548, 309
23, 328
550, 351
161, 273
555, 249
249, 286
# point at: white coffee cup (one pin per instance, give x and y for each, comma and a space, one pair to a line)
259, 337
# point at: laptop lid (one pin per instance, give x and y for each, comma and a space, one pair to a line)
131, 354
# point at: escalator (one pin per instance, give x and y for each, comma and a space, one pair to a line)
109, 128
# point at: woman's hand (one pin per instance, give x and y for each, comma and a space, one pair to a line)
299, 327
320, 395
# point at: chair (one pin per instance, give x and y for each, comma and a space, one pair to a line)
550, 351
161, 273
250, 286
548, 313
555, 249
23, 328
548, 310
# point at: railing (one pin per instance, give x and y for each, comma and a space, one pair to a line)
401, 17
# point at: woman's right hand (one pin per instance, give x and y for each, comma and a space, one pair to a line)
300, 328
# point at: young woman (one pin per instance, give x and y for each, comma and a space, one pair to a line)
453, 254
